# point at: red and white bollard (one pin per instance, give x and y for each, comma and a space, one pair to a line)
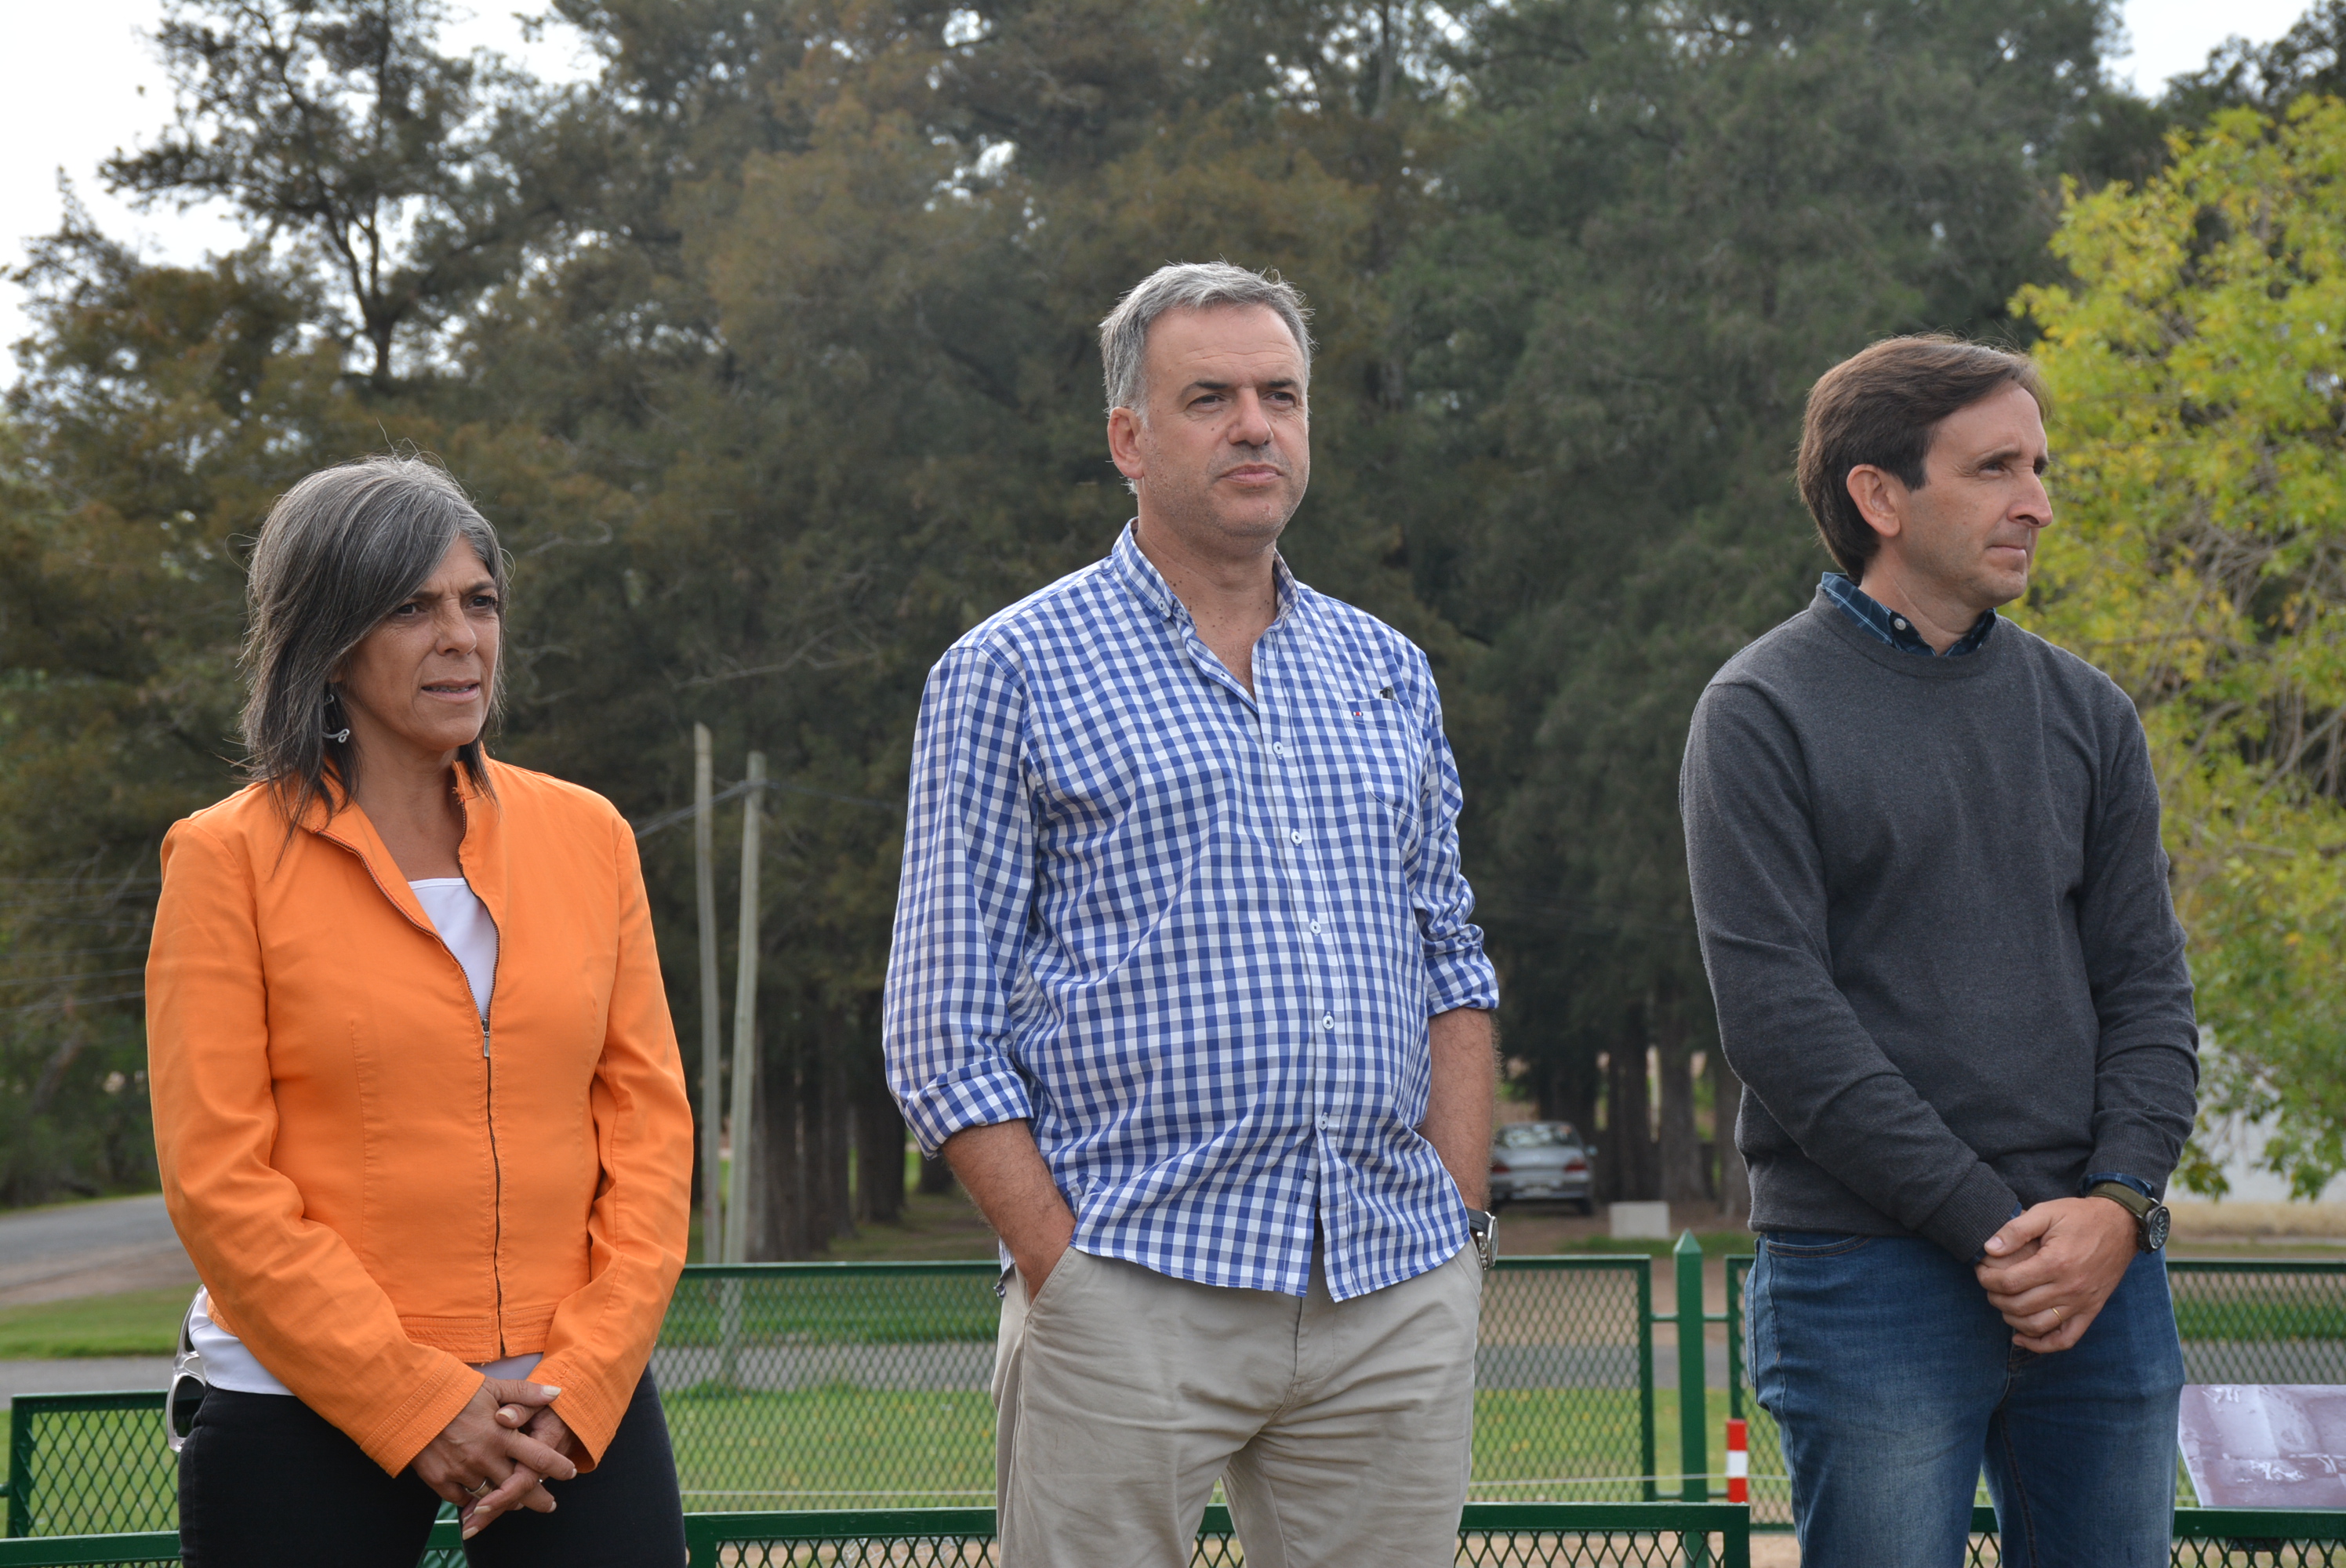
1739, 1462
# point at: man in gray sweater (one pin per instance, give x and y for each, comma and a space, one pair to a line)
1926, 868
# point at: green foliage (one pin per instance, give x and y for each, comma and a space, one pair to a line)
1663, 225
402, 175
158, 408
770, 354
2201, 560
2269, 77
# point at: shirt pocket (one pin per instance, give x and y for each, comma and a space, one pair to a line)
1382, 758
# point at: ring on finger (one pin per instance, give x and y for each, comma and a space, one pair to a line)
480, 1491
2056, 1316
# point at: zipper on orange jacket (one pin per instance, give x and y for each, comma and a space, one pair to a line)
488, 1063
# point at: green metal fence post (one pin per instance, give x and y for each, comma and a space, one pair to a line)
1694, 1409
1646, 1381
1694, 1458
20, 1470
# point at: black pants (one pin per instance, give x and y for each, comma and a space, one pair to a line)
267, 1482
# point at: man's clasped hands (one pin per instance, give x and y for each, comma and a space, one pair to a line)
2050, 1267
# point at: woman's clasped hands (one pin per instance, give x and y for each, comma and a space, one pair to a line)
498, 1453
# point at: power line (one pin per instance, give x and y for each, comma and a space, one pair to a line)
668, 820
77, 1000
93, 974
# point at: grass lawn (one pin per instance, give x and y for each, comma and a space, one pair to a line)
2280, 1307
136, 1323
933, 1227
845, 1447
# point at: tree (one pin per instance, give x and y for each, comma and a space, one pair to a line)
408, 177
770, 354
835, 349
1663, 226
158, 408
2311, 57
2201, 558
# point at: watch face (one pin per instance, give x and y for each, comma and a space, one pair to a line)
2154, 1227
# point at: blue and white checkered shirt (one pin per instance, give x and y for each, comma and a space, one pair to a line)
1192, 936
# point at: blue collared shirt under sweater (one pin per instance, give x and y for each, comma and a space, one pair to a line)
1878, 620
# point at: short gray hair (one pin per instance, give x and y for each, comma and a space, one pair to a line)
337, 553
1189, 286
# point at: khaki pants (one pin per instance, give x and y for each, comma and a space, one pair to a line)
1341, 1432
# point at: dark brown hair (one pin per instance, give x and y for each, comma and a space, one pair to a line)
1882, 407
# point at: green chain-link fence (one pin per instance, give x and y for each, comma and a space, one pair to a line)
1492, 1535
2221, 1538
865, 1385
2260, 1322
830, 1385
2240, 1322
84, 1463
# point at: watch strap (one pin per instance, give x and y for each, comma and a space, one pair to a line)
2149, 1213
2117, 1192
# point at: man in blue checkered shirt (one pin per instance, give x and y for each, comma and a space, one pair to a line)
1184, 988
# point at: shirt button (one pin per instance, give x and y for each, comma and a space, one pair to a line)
1296, 836
1327, 1021
1277, 749
1315, 927
1899, 623
1322, 1123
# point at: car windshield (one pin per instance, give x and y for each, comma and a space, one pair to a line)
1537, 1136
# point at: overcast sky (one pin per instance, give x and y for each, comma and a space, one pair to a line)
87, 83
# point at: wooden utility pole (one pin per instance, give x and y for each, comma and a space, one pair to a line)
745, 1023
713, 1083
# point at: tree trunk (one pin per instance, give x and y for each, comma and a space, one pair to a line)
1566, 1089
838, 1131
1734, 1180
1681, 1141
53, 1075
879, 1144
814, 1197
1628, 1165
936, 1176
778, 1229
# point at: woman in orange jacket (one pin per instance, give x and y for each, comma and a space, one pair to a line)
418, 1105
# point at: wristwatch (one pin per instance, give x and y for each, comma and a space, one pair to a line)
1483, 1229
2150, 1216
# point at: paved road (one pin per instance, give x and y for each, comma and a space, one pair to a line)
83, 1375
89, 1249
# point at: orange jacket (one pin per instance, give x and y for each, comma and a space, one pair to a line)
375, 1189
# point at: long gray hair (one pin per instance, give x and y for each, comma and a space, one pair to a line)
337, 553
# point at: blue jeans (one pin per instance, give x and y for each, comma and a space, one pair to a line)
1894, 1384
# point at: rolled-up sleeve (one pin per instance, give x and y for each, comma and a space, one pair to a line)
1458, 974
961, 905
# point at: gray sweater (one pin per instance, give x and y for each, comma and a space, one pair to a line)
1934, 909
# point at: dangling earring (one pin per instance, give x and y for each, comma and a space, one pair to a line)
339, 736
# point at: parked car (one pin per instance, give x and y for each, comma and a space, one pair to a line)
1540, 1160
